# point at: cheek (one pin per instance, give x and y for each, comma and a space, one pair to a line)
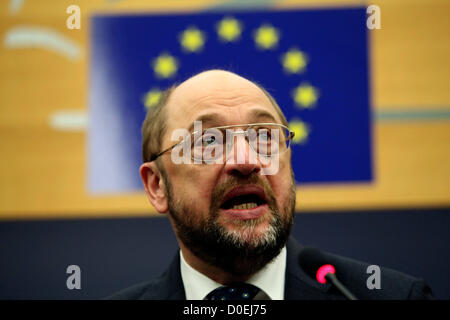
194, 183
281, 184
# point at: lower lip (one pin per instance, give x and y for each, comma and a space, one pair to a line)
246, 214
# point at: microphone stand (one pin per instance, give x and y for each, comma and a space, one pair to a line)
332, 277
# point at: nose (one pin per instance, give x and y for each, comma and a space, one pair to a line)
242, 160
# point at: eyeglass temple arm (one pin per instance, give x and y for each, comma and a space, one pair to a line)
156, 156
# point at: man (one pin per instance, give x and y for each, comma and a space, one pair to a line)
229, 193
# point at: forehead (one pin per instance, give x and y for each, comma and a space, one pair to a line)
219, 100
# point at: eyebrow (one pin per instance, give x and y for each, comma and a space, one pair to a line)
209, 118
214, 119
259, 113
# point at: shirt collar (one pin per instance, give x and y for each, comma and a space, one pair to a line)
269, 279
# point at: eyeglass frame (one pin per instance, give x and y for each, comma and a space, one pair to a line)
248, 125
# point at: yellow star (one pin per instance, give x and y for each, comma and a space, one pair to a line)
266, 37
294, 61
192, 39
301, 131
229, 29
305, 95
152, 97
165, 66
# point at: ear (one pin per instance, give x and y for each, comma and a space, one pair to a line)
154, 186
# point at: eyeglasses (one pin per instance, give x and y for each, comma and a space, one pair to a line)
213, 144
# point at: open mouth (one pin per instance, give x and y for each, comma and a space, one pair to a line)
248, 201
244, 198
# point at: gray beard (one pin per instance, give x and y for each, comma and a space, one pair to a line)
232, 251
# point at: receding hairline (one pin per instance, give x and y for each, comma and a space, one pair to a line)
210, 73
255, 84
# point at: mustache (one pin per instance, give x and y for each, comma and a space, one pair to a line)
234, 181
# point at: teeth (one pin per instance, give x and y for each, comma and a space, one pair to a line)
249, 205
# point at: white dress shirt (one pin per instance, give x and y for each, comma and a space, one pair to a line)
269, 279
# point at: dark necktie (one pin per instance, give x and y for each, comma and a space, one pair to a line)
241, 291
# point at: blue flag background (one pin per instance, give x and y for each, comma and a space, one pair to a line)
314, 62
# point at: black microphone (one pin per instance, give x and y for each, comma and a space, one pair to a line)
313, 262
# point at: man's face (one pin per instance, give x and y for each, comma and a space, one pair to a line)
231, 207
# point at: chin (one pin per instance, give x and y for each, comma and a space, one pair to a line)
250, 233
254, 225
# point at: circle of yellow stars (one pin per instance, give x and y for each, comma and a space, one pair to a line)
266, 37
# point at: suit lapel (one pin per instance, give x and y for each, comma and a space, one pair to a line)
175, 284
169, 286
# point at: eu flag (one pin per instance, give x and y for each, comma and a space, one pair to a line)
314, 62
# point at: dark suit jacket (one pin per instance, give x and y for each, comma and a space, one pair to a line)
298, 285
